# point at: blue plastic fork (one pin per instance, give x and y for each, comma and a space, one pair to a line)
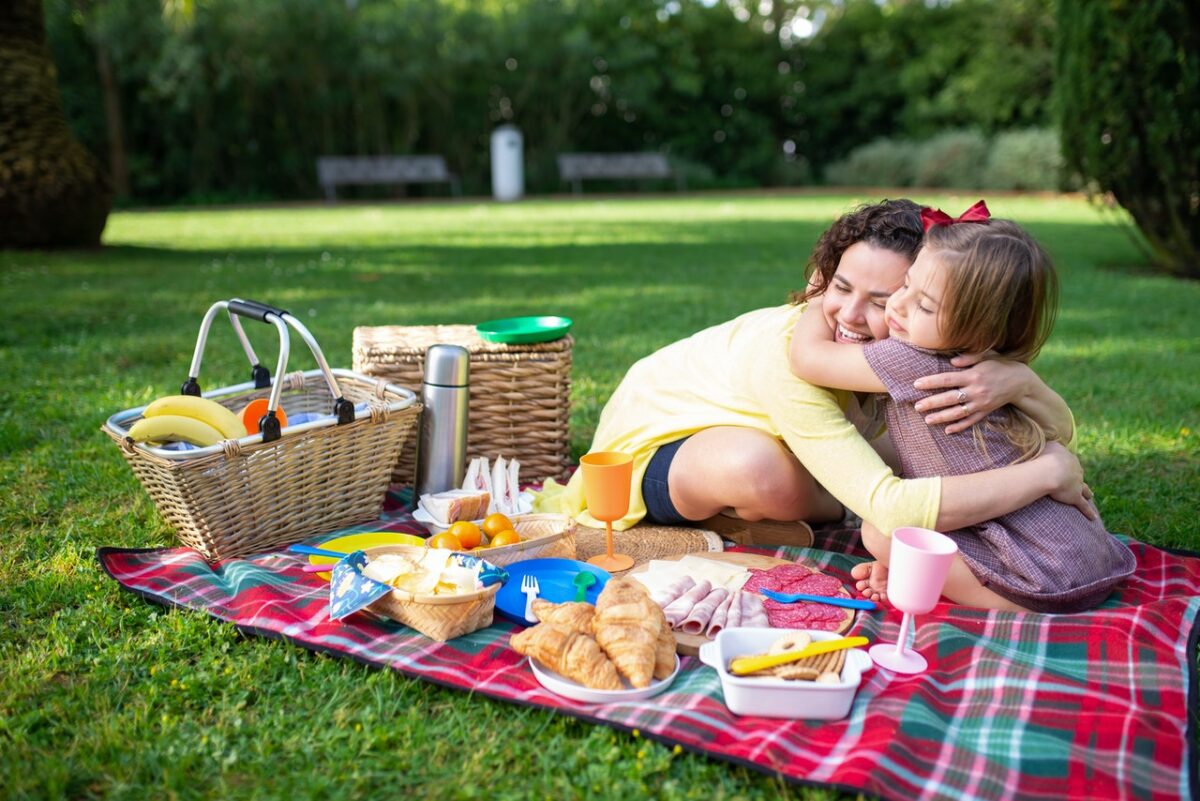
791, 598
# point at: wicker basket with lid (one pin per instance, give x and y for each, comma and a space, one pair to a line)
520, 394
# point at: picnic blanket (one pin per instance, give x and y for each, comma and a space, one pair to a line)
1095, 705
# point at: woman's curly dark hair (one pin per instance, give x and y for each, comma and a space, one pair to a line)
894, 225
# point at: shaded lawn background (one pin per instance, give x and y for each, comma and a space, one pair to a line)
113, 697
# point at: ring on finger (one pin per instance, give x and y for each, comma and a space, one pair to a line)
962, 398
965, 407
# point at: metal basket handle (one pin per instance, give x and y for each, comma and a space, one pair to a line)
260, 375
343, 409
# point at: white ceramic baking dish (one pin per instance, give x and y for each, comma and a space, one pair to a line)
780, 698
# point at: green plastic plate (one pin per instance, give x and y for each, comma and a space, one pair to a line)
520, 330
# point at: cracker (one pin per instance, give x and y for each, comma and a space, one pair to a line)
793, 671
812, 668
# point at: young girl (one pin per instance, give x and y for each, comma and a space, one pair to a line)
976, 285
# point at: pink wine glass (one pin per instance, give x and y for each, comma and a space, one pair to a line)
920, 560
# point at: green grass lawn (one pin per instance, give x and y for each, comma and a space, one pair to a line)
103, 694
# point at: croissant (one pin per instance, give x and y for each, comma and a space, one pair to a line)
664, 653
568, 653
628, 629
573, 616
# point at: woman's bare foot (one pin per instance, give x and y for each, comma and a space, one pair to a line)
872, 580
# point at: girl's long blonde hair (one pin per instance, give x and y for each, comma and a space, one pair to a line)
1001, 294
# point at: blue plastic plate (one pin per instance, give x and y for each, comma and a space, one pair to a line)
555, 583
520, 330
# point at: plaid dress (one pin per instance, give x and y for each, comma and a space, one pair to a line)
1046, 556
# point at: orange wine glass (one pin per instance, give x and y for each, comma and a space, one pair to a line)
606, 479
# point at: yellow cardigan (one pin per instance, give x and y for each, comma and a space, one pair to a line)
737, 374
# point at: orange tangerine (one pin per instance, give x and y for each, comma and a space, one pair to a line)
467, 533
254, 411
445, 540
506, 537
495, 523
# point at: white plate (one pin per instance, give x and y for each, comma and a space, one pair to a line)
569, 689
435, 526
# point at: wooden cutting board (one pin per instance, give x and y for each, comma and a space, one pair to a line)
689, 644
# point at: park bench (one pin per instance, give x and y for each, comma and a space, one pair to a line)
335, 171
575, 167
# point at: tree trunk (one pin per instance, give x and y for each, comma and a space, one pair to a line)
118, 164
53, 192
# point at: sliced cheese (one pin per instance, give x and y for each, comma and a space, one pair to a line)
719, 574
660, 573
656, 582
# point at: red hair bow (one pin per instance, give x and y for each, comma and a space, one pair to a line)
976, 214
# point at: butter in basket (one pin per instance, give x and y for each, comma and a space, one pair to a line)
440, 593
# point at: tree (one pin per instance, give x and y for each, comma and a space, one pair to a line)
1129, 95
53, 192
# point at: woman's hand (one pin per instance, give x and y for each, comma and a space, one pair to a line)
974, 393
1066, 478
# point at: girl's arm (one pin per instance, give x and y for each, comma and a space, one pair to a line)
978, 497
989, 384
816, 430
816, 358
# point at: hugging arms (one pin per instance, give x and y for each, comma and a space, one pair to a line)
729, 427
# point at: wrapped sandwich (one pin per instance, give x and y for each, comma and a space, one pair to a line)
454, 505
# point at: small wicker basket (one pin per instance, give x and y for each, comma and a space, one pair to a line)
543, 536
520, 394
439, 617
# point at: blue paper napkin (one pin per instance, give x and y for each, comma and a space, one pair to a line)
350, 590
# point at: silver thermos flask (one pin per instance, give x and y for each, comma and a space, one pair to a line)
442, 449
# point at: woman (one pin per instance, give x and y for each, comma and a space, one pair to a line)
718, 423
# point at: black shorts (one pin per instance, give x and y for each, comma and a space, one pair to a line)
655, 491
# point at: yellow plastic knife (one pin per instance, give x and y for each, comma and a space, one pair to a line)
752, 664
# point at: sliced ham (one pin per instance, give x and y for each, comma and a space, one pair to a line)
734, 617
719, 617
697, 620
673, 590
754, 615
681, 607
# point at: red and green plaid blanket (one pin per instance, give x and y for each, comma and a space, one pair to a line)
1097, 705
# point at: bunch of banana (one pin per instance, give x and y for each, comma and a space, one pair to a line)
187, 418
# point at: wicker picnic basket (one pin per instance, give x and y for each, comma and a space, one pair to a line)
439, 617
263, 491
520, 394
543, 536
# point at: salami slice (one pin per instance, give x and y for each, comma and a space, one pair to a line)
719, 617
796, 578
697, 620
804, 616
681, 607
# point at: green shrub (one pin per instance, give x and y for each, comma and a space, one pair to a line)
1026, 159
954, 159
884, 162
1129, 96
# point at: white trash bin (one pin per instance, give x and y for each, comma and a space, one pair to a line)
508, 163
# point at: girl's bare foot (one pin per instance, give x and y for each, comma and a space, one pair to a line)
872, 580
